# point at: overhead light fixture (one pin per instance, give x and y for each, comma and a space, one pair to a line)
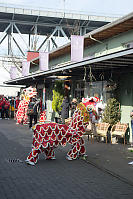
63, 77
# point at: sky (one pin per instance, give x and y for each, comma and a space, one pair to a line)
97, 7
3, 75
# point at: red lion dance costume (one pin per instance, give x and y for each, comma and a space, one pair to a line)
21, 114
48, 136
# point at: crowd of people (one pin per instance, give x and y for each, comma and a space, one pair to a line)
8, 107
29, 111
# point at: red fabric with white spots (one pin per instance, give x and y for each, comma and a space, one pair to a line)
21, 114
42, 117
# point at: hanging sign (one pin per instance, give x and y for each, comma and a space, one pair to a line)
77, 47
25, 68
43, 61
13, 72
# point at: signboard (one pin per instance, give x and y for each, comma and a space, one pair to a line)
43, 61
77, 47
25, 68
13, 72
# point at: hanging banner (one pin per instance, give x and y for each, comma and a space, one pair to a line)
77, 48
43, 61
13, 72
32, 55
25, 68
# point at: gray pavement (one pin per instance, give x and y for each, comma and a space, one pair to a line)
105, 173
112, 158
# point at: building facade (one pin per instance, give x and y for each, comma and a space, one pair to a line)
105, 70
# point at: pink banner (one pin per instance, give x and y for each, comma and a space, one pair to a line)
77, 48
25, 68
43, 61
13, 72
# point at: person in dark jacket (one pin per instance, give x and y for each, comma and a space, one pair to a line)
3, 108
65, 109
6, 108
33, 105
73, 106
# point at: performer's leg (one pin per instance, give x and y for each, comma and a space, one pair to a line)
82, 147
49, 152
74, 152
35, 119
77, 150
15, 112
30, 122
25, 118
7, 113
33, 156
2, 114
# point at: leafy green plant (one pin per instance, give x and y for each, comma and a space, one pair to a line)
58, 95
112, 113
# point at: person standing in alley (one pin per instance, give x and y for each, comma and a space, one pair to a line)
0, 107
6, 108
65, 109
3, 108
131, 116
12, 107
33, 109
73, 106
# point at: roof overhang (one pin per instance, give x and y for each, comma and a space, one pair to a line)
117, 61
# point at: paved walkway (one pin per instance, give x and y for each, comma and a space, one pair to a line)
105, 173
112, 158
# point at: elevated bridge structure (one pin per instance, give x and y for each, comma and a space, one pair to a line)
31, 30
24, 29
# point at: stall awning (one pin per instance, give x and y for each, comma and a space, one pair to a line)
120, 61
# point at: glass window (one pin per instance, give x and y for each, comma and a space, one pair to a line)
79, 90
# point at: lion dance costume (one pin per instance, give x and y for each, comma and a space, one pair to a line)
21, 115
48, 136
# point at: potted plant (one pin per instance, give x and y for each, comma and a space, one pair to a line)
112, 113
58, 95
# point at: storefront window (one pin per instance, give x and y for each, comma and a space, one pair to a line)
97, 89
79, 90
88, 89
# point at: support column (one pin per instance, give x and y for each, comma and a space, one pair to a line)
9, 44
